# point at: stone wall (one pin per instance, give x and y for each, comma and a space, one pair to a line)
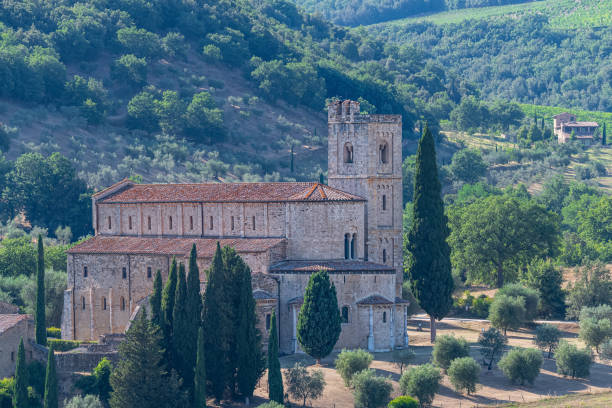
9, 345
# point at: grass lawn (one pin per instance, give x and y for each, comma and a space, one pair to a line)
597, 400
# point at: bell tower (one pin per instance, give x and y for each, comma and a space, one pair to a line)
365, 158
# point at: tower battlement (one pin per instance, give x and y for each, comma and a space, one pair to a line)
348, 111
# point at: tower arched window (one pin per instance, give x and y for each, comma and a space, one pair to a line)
122, 303
384, 256
345, 314
348, 152
383, 150
353, 242
149, 222
83, 302
170, 222
110, 225
103, 303
347, 244
130, 222
384, 202
191, 222
384, 317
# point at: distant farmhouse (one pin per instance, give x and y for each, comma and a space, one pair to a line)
565, 123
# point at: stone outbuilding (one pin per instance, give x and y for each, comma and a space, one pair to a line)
13, 328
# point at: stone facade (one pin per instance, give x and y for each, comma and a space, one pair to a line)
565, 124
284, 232
13, 328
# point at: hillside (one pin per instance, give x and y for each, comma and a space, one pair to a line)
195, 91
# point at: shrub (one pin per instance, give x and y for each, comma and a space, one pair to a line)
598, 312
529, 295
63, 345
606, 350
481, 305
88, 401
594, 332
521, 365
448, 348
402, 357
507, 312
492, 344
422, 382
304, 385
130, 69
370, 390
547, 338
403, 402
463, 373
350, 363
271, 404
573, 362
54, 332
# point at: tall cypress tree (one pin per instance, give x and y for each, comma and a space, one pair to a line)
193, 307
156, 301
429, 266
180, 342
168, 309
318, 326
20, 393
250, 359
199, 391
275, 378
603, 135
41, 325
217, 321
50, 398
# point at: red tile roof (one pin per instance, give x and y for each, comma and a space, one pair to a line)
170, 246
224, 192
375, 300
8, 321
330, 266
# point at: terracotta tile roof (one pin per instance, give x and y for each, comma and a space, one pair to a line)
225, 192
8, 321
581, 124
330, 266
170, 246
375, 300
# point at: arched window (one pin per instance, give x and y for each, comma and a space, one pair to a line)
149, 222
384, 202
83, 302
384, 317
191, 222
109, 222
211, 226
268, 321
122, 303
232, 222
130, 222
84, 271
149, 272
124, 273
170, 223
346, 246
253, 222
383, 153
103, 303
348, 152
384, 256
353, 242
345, 314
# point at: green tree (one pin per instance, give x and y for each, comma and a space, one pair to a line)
50, 397
20, 392
429, 267
529, 296
593, 287
468, 166
449, 348
547, 338
422, 382
350, 362
603, 135
371, 390
251, 362
88, 401
318, 326
130, 70
275, 379
543, 276
492, 344
463, 374
573, 361
168, 306
193, 306
41, 325
140, 378
199, 392
139, 41
507, 312
493, 236
142, 113
204, 120
181, 321
521, 365
170, 110
303, 385
403, 402
156, 301
594, 332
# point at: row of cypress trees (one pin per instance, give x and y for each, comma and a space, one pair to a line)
20, 391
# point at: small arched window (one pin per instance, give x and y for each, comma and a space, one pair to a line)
103, 303
384, 317
253, 223
384, 256
232, 222
124, 273
348, 152
83, 302
384, 202
122, 303
268, 321
347, 246
345, 314
353, 242
84, 271
383, 153
149, 272
170, 222
109, 222
130, 222
191, 222
211, 225
149, 222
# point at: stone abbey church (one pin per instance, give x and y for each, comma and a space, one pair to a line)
284, 231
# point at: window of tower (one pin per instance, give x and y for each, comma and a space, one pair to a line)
347, 238
348, 152
384, 256
353, 242
345, 314
384, 317
383, 153
384, 202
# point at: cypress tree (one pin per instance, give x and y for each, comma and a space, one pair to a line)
217, 320
275, 379
193, 306
50, 399
603, 135
319, 319
168, 309
429, 266
180, 341
41, 325
250, 359
20, 393
156, 301
199, 392
140, 378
